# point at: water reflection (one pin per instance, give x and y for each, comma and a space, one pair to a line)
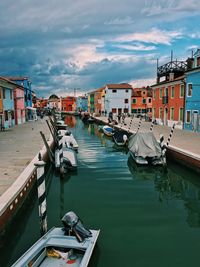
171, 186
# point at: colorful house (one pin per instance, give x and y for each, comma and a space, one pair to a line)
192, 96
91, 107
168, 95
142, 102
68, 103
7, 113
118, 98
99, 100
28, 93
19, 105
82, 103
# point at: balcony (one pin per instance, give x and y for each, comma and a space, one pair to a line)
165, 100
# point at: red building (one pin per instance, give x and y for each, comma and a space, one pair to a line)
142, 102
68, 103
168, 95
19, 105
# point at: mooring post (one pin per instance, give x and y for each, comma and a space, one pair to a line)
139, 124
41, 194
170, 135
151, 127
130, 124
61, 153
49, 151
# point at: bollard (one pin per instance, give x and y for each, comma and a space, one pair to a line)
41, 195
130, 124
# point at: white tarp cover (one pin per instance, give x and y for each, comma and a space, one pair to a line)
144, 145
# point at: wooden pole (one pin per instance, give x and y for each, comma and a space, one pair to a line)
49, 151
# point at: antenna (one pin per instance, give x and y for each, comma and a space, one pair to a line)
171, 55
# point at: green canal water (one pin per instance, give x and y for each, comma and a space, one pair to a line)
148, 217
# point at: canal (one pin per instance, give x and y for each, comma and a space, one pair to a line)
148, 217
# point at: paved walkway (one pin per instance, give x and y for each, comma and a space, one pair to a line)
184, 140
18, 146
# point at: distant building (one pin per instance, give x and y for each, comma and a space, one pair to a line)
118, 98
19, 104
68, 103
54, 102
142, 102
7, 111
99, 101
82, 103
91, 107
192, 96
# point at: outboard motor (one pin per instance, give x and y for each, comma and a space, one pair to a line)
72, 223
68, 133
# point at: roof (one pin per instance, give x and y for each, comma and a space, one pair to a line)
166, 82
11, 82
119, 86
17, 78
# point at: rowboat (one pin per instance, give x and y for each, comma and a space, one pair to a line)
120, 137
69, 159
109, 131
61, 247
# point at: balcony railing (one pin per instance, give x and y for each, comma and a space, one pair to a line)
165, 100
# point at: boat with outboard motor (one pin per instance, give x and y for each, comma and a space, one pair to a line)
71, 245
120, 137
145, 149
69, 159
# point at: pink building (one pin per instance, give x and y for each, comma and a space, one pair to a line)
19, 105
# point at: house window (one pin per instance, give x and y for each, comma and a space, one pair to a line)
134, 101
114, 110
144, 101
11, 94
4, 93
126, 90
126, 101
182, 91
149, 100
188, 116
160, 113
114, 91
172, 92
125, 110
189, 92
181, 114
134, 110
172, 113
160, 93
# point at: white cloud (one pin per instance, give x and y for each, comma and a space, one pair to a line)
120, 21
137, 47
154, 36
142, 82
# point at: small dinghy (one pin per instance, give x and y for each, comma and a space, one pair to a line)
109, 131
145, 149
61, 247
120, 137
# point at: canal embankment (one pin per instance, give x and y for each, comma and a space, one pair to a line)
184, 146
19, 148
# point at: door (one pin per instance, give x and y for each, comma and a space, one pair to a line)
119, 111
195, 120
165, 116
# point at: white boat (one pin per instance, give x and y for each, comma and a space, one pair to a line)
69, 159
60, 124
145, 149
59, 249
120, 137
69, 141
109, 131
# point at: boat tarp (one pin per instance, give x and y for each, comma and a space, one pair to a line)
144, 145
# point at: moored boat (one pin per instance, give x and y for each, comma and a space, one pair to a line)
145, 149
109, 131
69, 246
69, 159
120, 137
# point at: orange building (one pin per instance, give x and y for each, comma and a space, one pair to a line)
99, 95
142, 102
68, 103
168, 102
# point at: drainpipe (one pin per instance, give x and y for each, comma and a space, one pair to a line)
184, 99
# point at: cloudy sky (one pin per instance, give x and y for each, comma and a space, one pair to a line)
62, 45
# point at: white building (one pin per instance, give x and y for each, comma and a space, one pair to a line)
118, 98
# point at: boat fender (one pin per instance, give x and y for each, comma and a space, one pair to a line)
125, 138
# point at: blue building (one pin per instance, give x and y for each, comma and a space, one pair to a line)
26, 83
192, 95
7, 112
81, 103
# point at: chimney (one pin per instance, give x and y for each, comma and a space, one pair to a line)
171, 76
